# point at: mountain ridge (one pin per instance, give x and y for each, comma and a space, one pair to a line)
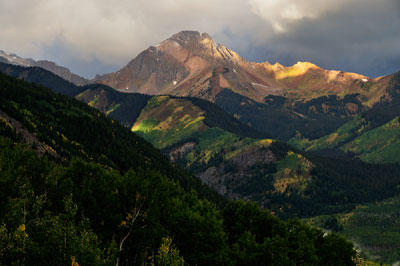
61, 71
202, 68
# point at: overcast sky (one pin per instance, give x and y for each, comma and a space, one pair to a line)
100, 36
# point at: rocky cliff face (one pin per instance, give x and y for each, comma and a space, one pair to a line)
192, 64
228, 176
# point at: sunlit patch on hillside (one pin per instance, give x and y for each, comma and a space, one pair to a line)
293, 173
113, 108
294, 71
145, 125
266, 142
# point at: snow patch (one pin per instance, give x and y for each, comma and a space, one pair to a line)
174, 82
258, 84
234, 70
127, 88
364, 80
176, 44
253, 67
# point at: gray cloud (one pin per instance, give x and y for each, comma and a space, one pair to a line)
94, 36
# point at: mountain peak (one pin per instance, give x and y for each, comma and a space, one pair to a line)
188, 38
205, 35
185, 36
190, 34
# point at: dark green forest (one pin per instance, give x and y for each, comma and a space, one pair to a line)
101, 195
280, 117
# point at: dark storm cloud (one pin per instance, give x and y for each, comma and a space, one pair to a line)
98, 35
361, 38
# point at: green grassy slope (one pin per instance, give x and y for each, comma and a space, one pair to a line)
360, 138
342, 135
165, 121
381, 144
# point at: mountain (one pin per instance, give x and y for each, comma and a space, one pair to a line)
101, 195
192, 64
63, 72
275, 99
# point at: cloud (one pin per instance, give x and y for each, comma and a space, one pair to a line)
280, 13
361, 36
110, 32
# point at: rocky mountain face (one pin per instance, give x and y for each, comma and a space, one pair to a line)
192, 64
63, 72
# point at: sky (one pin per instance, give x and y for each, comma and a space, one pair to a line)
100, 36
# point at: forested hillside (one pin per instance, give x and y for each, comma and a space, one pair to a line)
79, 188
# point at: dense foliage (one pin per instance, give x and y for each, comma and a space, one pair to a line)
110, 198
340, 184
283, 119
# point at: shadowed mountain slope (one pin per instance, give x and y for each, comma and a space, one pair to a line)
45, 64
